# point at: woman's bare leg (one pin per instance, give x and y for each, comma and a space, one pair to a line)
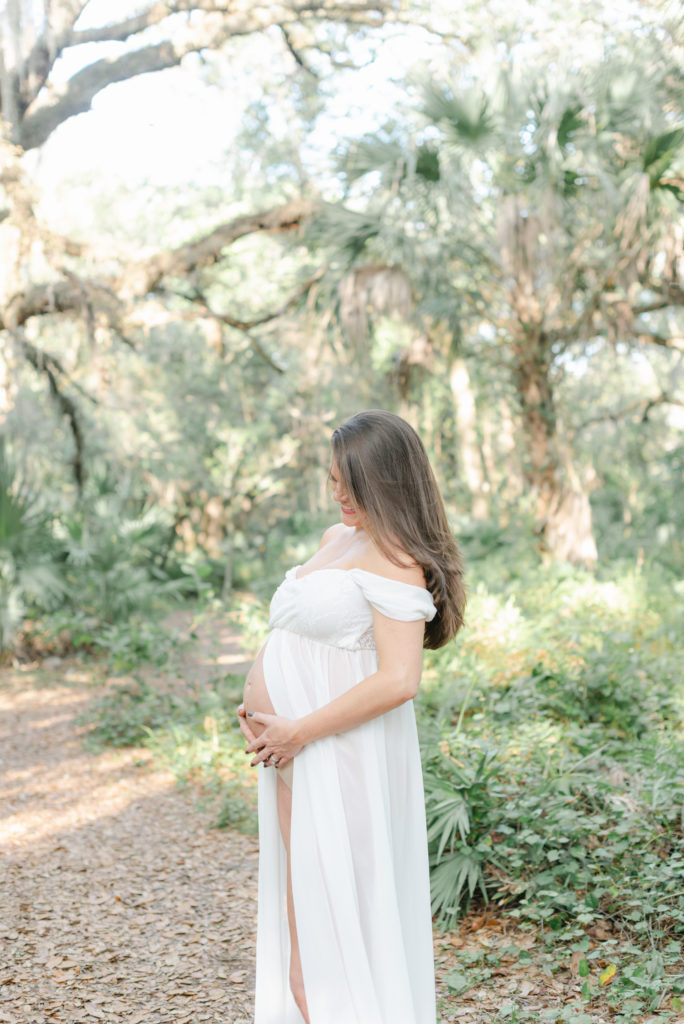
256, 697
296, 978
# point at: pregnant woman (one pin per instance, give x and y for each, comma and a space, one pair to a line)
344, 926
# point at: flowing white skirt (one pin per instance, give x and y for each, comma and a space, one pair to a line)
360, 877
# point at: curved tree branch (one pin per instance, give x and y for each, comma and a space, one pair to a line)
298, 57
145, 276
43, 113
51, 367
204, 310
643, 406
141, 277
53, 40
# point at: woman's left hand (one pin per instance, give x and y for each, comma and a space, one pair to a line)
276, 745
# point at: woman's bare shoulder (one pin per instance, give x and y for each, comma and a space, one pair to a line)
377, 562
336, 530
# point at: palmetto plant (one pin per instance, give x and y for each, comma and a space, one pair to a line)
456, 796
103, 559
113, 553
30, 570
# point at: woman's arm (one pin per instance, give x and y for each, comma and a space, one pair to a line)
400, 658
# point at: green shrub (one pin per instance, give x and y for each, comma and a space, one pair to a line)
31, 575
553, 758
94, 576
127, 715
196, 735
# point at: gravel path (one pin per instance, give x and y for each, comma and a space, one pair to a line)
117, 902
120, 903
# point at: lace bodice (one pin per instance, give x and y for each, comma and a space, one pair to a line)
334, 606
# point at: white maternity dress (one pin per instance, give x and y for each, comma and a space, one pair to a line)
358, 836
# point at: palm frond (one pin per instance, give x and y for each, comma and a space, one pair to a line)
453, 884
658, 159
465, 118
449, 816
347, 230
373, 154
569, 124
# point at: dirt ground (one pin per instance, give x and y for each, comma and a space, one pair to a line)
120, 903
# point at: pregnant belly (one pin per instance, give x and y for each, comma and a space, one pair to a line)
255, 695
255, 698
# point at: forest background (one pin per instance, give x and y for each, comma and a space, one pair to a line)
226, 226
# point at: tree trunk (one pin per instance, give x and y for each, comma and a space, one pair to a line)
470, 453
500, 455
229, 553
563, 511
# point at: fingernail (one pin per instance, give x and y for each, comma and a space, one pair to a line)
250, 714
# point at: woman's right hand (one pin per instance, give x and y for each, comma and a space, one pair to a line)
244, 725
277, 744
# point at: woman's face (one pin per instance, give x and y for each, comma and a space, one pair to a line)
350, 516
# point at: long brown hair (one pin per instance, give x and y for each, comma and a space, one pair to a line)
387, 474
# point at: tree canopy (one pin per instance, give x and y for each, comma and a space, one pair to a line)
500, 259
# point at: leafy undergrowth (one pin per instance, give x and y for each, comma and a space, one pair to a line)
554, 774
553, 759
194, 735
181, 707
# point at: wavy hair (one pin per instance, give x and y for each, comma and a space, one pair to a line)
385, 469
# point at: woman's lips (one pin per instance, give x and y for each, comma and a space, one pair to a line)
348, 511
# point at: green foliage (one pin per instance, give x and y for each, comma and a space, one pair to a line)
659, 155
427, 162
554, 769
30, 574
93, 572
571, 122
194, 733
114, 555
466, 117
127, 715
135, 641
351, 229
454, 798
627, 980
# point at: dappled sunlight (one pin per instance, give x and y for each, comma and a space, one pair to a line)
50, 784
116, 893
531, 739
235, 660
73, 800
23, 696
616, 597
495, 639
492, 617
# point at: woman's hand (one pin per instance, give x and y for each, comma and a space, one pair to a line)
276, 745
244, 727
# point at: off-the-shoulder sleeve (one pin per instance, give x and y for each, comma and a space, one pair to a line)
393, 598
